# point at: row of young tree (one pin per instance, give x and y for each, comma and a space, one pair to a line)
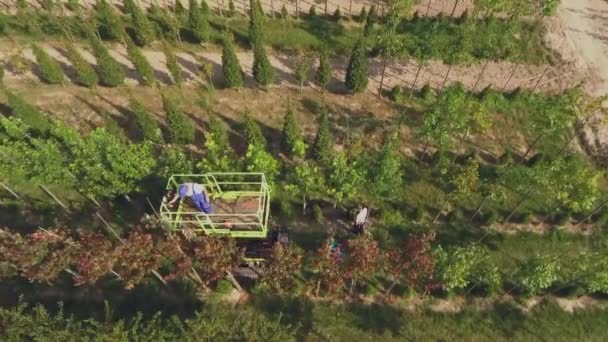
332, 270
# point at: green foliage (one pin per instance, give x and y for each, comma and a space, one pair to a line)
30, 116
256, 30
262, 69
253, 132
387, 176
110, 72
538, 274
301, 71
219, 154
146, 125
462, 266
173, 160
466, 181
363, 15
396, 93
322, 149
292, 142
284, 12
109, 24
143, 67
337, 14
231, 9
142, 27
181, 128
595, 268
258, 160
357, 72
312, 12
317, 213
306, 180
85, 74
198, 22
344, 178
50, 71
73, 5
324, 70
174, 68
370, 20
205, 8
233, 73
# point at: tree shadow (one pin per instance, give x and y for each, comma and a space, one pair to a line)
293, 311
377, 318
68, 69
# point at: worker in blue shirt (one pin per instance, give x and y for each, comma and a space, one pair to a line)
197, 194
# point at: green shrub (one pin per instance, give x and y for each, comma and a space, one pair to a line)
357, 72
174, 68
110, 72
324, 70
142, 66
28, 113
50, 71
262, 69
145, 124
231, 66
396, 93
312, 12
256, 19
426, 92
337, 14
109, 24
181, 128
85, 74
142, 27
231, 9
538, 274
317, 213
198, 23
223, 287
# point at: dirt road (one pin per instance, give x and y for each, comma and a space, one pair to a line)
584, 24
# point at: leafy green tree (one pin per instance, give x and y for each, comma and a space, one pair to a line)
174, 68
129, 6
324, 70
538, 274
387, 177
109, 24
143, 67
464, 182
219, 154
205, 8
233, 73
388, 41
181, 128
594, 268
31, 116
262, 69
370, 20
253, 132
292, 141
301, 71
344, 178
322, 149
357, 72
173, 160
198, 22
258, 160
110, 72
456, 267
85, 74
50, 71
142, 27
147, 127
306, 181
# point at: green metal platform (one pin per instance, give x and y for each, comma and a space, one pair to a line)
240, 205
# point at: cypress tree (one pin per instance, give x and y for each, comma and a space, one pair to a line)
322, 147
292, 141
129, 6
172, 65
109, 24
142, 27
147, 127
230, 64
73, 5
231, 9
50, 71
363, 15
370, 19
205, 9
337, 14
197, 22
357, 72
256, 32
284, 12
312, 12
143, 67
260, 10
85, 74
110, 72
27, 113
179, 9
262, 69
181, 129
324, 71
253, 132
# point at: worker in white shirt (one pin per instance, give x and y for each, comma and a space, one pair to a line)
360, 219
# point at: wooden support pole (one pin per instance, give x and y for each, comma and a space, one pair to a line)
11, 191
52, 195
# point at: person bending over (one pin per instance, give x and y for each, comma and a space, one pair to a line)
197, 194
